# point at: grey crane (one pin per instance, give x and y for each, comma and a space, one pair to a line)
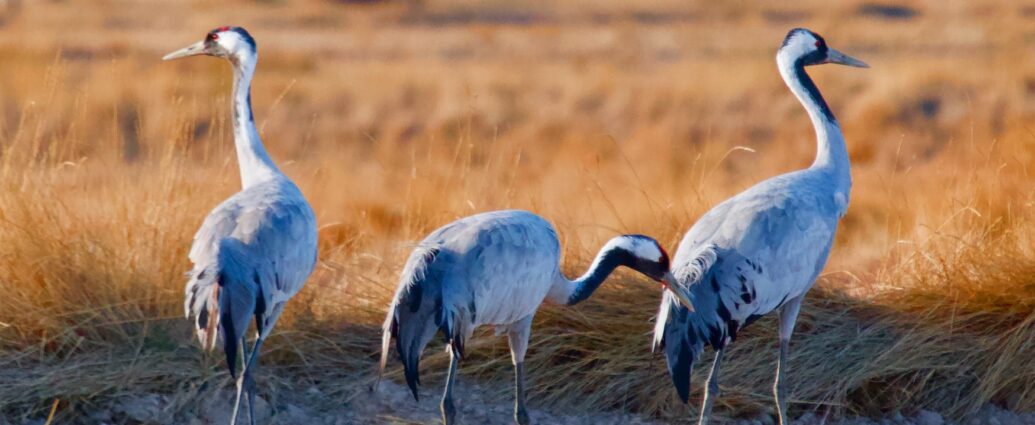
762, 249
496, 268
256, 249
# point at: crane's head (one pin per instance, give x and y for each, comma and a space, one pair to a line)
808, 48
232, 43
648, 257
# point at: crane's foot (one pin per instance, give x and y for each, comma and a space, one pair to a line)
448, 412
521, 416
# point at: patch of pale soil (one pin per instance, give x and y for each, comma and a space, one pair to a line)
477, 404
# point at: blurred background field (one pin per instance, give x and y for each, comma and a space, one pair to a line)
395, 117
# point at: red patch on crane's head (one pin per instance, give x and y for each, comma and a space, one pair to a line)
664, 255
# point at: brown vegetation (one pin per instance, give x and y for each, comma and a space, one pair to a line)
397, 117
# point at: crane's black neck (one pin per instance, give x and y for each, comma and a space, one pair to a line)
602, 267
810, 88
831, 152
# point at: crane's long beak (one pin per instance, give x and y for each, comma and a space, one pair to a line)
680, 293
834, 56
192, 50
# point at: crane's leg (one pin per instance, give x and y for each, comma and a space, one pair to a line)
249, 382
711, 391
517, 336
250, 387
246, 384
245, 355
448, 408
788, 317
240, 383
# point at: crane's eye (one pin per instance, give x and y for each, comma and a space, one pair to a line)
213, 36
818, 43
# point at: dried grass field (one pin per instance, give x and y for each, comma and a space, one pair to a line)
605, 117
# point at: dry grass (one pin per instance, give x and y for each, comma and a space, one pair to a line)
396, 118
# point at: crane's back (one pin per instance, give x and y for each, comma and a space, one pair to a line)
496, 267
490, 268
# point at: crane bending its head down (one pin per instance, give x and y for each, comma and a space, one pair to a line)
496, 269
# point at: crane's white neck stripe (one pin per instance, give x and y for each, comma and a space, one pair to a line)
640, 247
255, 164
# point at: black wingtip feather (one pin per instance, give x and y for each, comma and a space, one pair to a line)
411, 369
226, 321
230, 345
679, 367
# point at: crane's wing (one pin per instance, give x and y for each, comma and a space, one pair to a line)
252, 253
509, 263
742, 259
453, 276
673, 328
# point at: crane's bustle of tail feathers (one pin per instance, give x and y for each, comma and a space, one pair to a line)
211, 314
202, 302
688, 277
702, 261
386, 342
238, 296
415, 314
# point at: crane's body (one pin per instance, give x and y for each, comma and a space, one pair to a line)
252, 237
773, 239
761, 250
256, 249
495, 269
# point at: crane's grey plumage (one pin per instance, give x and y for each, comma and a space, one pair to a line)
495, 269
255, 250
762, 249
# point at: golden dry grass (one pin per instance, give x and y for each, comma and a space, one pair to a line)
395, 118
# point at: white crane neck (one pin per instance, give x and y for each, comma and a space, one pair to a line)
255, 164
831, 152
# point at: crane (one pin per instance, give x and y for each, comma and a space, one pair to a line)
761, 250
257, 248
495, 269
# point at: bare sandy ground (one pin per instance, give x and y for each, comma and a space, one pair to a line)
392, 404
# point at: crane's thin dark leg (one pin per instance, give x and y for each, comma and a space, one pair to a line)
711, 391
788, 317
520, 412
517, 336
448, 408
246, 384
250, 387
245, 355
240, 383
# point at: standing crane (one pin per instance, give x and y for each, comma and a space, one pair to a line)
495, 269
256, 249
762, 249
